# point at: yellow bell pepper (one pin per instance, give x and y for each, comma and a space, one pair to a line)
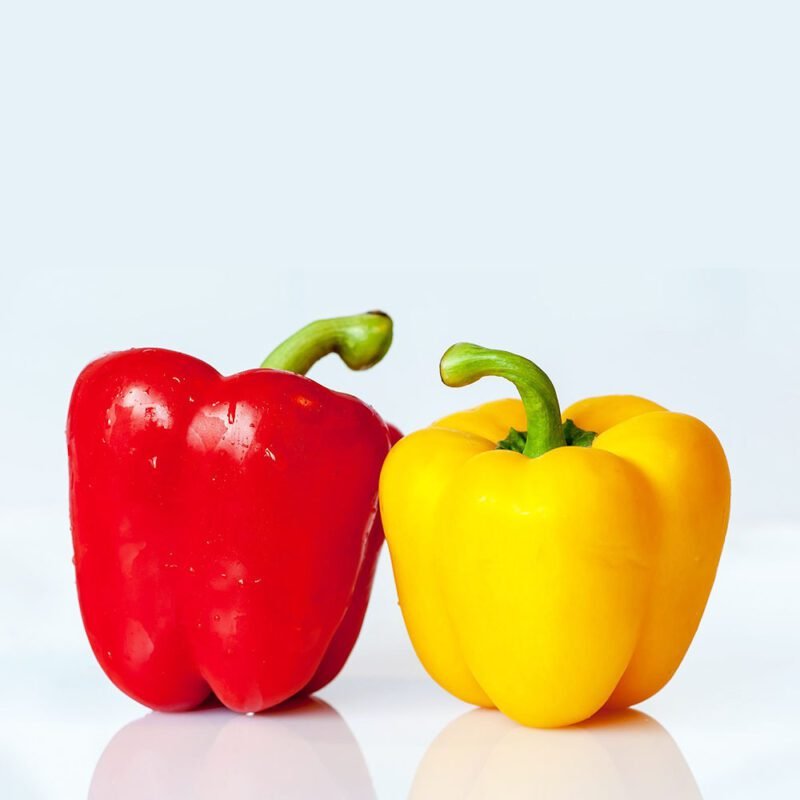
566, 568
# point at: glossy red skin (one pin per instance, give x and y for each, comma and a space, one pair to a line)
224, 528
346, 635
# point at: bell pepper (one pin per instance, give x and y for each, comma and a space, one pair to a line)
225, 529
553, 565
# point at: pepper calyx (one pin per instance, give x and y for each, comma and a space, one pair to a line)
578, 437
573, 436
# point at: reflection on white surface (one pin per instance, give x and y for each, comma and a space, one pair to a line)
300, 750
625, 755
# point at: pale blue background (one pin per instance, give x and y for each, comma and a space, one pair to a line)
611, 188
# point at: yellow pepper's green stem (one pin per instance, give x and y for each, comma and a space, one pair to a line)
466, 363
361, 341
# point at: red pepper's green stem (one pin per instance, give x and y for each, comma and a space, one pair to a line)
465, 363
361, 341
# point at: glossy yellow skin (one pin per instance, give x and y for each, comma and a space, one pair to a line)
551, 587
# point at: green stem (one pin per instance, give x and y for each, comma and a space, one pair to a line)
361, 341
466, 363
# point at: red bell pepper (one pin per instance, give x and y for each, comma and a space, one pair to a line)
225, 528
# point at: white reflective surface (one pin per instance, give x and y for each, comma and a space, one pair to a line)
308, 751
303, 750
622, 755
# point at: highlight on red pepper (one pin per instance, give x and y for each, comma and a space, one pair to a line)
225, 529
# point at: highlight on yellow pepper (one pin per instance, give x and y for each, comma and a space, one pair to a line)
552, 565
